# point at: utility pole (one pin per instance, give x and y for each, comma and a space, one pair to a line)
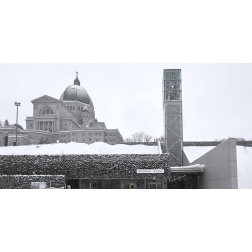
17, 104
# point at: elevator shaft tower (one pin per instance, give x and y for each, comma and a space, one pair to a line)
172, 109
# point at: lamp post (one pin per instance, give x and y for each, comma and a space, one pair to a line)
17, 104
6, 140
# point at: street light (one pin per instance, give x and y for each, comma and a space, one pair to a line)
6, 143
17, 104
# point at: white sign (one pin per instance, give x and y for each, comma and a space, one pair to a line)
150, 170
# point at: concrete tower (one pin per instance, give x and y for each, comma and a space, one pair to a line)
172, 107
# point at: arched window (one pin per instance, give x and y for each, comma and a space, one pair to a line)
47, 112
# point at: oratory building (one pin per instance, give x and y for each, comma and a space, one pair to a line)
69, 119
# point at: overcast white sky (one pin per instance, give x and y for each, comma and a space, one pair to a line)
216, 104
216, 97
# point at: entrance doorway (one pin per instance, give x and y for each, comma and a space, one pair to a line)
6, 141
73, 183
154, 185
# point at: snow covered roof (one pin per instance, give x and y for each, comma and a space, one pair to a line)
188, 169
79, 149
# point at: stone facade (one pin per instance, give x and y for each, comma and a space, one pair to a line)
71, 118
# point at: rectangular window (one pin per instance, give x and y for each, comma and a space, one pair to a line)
39, 185
58, 185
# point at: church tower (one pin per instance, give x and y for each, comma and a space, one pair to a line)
172, 109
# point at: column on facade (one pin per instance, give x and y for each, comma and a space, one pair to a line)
47, 126
50, 126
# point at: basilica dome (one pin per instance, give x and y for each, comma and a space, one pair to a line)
76, 93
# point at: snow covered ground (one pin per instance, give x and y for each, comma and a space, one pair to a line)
244, 162
79, 148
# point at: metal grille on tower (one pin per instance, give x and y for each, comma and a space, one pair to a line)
172, 105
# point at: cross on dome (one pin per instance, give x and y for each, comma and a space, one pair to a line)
76, 81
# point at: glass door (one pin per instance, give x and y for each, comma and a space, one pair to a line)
155, 185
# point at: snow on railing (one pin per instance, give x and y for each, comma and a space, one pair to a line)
189, 168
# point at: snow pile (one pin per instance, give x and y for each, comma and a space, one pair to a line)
78, 149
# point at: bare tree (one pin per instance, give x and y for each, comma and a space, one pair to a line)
142, 137
161, 139
134, 137
1, 123
147, 138
139, 137
220, 140
127, 140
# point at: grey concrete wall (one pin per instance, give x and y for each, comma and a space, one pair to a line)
185, 160
220, 167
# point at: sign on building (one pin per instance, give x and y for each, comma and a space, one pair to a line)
150, 170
